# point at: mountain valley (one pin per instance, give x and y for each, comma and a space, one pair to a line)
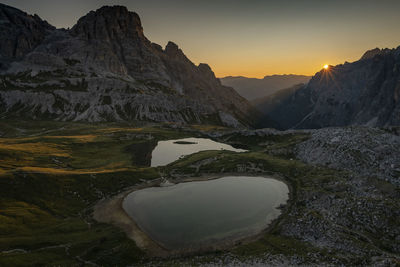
105, 134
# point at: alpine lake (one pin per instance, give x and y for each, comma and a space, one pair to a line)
201, 214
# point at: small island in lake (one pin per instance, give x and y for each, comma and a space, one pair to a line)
185, 143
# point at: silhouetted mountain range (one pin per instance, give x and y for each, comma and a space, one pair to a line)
253, 88
104, 68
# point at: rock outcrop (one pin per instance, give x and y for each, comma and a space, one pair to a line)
104, 68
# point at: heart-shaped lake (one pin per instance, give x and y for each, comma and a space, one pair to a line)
189, 215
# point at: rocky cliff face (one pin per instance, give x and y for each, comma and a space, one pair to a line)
365, 92
104, 68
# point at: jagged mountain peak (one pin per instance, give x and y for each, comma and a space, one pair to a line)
376, 51
171, 47
109, 22
175, 54
206, 70
173, 50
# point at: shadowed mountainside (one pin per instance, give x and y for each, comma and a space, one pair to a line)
269, 103
365, 92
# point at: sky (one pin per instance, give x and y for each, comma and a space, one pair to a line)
251, 38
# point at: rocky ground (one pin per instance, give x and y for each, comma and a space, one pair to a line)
365, 151
353, 214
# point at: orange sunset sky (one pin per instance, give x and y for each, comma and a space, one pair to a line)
251, 38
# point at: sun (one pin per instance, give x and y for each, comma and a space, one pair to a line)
326, 66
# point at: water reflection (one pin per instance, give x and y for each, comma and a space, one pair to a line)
198, 213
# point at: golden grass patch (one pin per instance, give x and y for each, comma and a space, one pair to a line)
207, 127
81, 138
36, 148
66, 171
112, 130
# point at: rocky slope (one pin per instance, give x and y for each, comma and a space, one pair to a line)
363, 150
104, 68
253, 88
365, 92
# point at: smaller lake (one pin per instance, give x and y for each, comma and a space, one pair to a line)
196, 214
171, 150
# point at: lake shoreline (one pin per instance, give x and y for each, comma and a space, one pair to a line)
111, 211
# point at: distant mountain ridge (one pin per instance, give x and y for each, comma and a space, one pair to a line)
267, 104
253, 88
103, 69
365, 92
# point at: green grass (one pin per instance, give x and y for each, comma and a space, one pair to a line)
44, 208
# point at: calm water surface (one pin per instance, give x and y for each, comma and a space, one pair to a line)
170, 151
194, 214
